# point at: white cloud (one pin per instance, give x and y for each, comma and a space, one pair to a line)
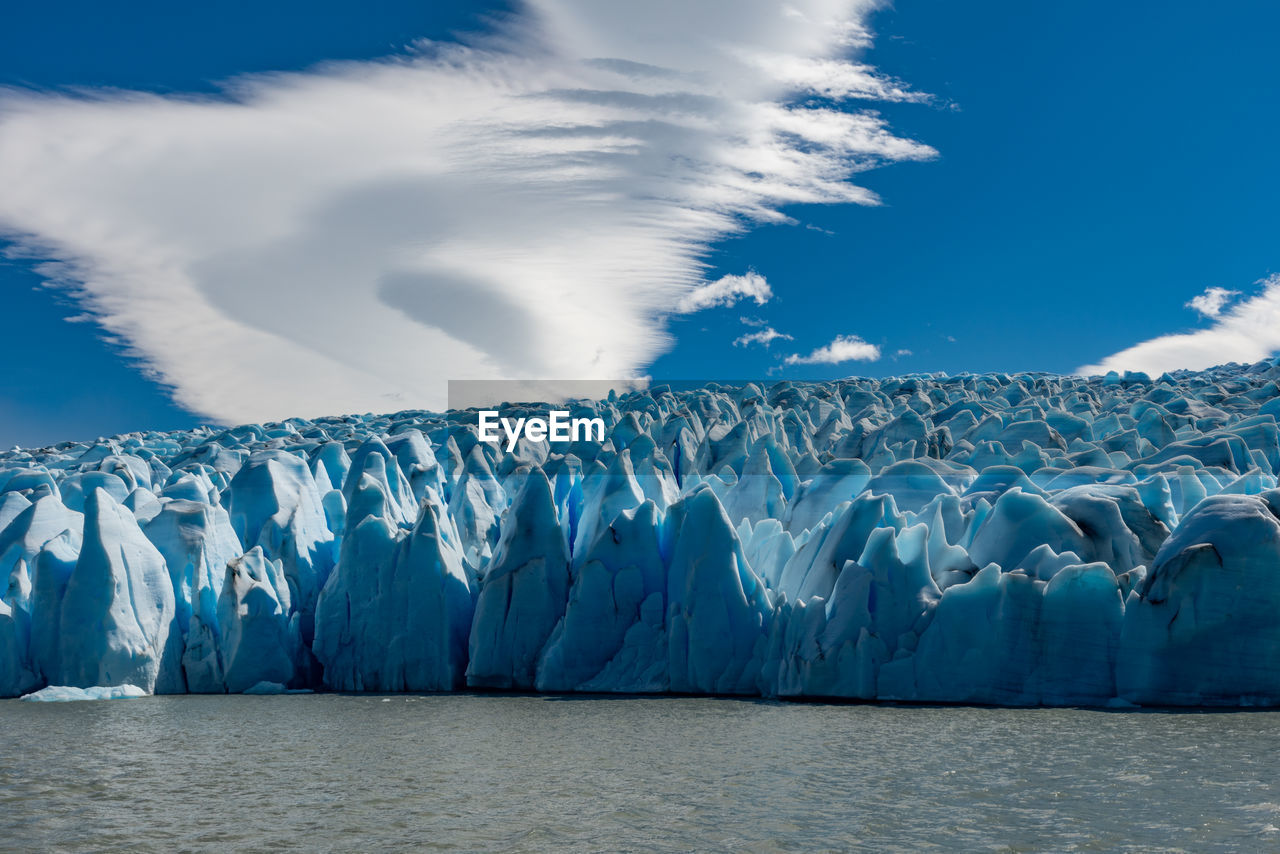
529, 204
845, 348
1246, 332
836, 78
901, 354
726, 290
755, 322
1212, 301
765, 336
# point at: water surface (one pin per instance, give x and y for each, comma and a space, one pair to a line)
524, 773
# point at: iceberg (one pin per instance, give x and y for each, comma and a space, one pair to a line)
68, 694
1024, 539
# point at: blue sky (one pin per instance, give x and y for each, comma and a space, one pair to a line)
1098, 166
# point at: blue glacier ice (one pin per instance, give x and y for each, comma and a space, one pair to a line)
1013, 539
525, 591
119, 621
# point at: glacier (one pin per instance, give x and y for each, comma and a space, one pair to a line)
1008, 539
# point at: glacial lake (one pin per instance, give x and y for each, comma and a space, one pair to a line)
532, 773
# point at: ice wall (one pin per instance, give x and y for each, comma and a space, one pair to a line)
1009, 539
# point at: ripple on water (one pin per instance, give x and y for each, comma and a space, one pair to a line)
525, 773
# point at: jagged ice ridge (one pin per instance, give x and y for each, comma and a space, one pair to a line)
1008, 539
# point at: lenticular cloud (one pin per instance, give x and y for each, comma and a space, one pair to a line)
1246, 332
531, 202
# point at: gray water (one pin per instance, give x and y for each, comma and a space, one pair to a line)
524, 773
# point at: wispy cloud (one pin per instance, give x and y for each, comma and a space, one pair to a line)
1248, 331
765, 337
834, 78
532, 203
1212, 301
901, 354
725, 291
845, 348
